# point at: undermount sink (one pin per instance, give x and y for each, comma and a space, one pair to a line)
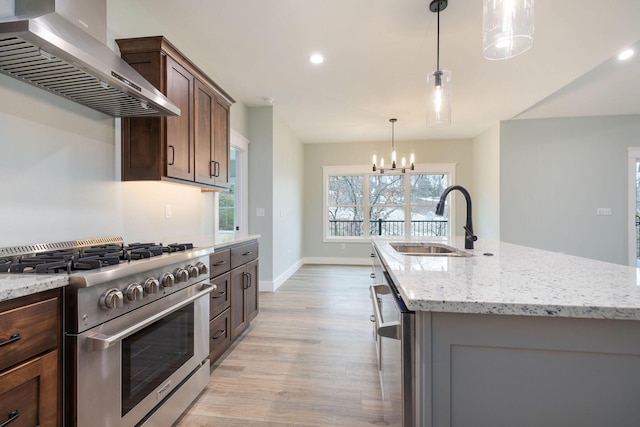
427, 249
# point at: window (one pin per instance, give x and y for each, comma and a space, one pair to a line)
232, 212
360, 204
228, 200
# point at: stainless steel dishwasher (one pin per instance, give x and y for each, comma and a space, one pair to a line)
394, 335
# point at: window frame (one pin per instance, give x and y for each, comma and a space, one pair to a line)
448, 169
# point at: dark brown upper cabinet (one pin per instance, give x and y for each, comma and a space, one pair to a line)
191, 148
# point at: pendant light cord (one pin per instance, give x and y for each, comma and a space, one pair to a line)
438, 42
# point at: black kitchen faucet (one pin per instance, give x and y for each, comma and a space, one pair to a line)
468, 228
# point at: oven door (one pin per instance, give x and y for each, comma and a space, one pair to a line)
131, 364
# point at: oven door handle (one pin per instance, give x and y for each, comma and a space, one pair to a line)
389, 329
97, 342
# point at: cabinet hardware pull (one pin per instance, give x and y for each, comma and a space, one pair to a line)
13, 415
212, 168
173, 160
250, 280
217, 336
217, 169
247, 253
13, 338
219, 295
372, 275
219, 263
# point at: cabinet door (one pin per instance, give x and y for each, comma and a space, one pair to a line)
29, 392
205, 104
252, 291
180, 144
239, 321
221, 143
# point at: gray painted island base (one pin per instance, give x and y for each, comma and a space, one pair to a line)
479, 370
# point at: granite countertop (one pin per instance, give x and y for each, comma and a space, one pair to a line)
514, 280
18, 285
222, 240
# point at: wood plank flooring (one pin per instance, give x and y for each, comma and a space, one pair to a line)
308, 359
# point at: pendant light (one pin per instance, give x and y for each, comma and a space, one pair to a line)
507, 28
394, 167
438, 82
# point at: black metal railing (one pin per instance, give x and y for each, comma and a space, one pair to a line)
380, 227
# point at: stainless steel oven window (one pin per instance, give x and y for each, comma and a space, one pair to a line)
151, 355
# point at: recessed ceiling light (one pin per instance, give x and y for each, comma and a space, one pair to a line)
625, 54
316, 58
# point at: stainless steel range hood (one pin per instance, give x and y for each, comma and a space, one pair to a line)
52, 53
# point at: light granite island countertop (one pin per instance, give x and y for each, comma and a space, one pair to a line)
521, 337
514, 280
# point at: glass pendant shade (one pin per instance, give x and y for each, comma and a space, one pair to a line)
438, 99
507, 28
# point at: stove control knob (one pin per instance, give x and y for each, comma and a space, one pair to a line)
167, 280
181, 275
202, 268
112, 298
193, 271
151, 285
134, 292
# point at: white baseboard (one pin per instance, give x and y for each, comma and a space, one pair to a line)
337, 261
266, 286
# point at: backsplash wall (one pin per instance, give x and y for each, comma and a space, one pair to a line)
60, 178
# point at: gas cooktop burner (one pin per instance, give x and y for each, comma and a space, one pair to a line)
86, 258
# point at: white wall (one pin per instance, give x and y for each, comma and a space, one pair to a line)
288, 180
486, 183
261, 185
275, 185
555, 173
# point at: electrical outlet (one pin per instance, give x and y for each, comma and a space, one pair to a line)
168, 212
260, 212
603, 211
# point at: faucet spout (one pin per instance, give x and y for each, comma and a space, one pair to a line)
468, 228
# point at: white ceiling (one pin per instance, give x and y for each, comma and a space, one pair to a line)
379, 52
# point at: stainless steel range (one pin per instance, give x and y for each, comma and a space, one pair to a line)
136, 326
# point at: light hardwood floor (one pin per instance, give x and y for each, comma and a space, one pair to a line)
307, 360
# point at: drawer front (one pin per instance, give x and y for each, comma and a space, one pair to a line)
220, 297
243, 254
28, 331
219, 335
219, 263
28, 393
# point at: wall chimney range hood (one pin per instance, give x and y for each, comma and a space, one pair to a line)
42, 44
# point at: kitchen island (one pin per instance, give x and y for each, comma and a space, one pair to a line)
515, 336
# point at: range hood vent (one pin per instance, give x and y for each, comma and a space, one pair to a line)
51, 53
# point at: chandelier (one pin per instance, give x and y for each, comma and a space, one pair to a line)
403, 167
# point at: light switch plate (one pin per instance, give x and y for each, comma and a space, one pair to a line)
168, 212
260, 212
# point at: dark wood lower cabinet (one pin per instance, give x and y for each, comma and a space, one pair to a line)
244, 297
30, 362
28, 392
235, 301
220, 335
